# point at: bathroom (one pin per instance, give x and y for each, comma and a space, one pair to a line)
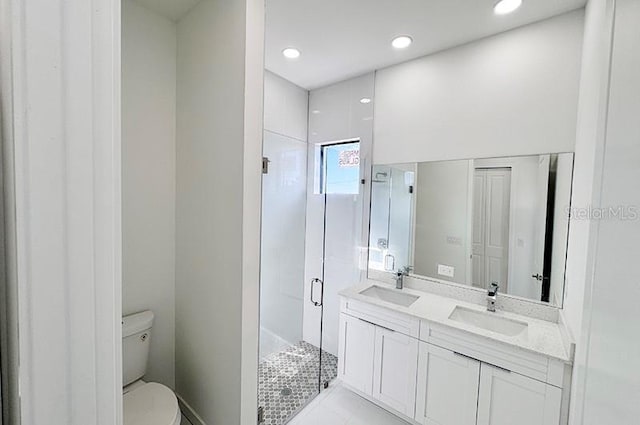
334, 212
410, 200
357, 185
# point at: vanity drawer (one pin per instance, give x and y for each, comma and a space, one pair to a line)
536, 366
382, 317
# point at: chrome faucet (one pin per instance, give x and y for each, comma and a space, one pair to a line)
492, 296
400, 274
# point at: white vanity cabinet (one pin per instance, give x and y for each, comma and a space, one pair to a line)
433, 374
454, 389
447, 387
506, 398
378, 355
394, 370
379, 362
355, 353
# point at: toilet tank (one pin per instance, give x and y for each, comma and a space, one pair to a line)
136, 337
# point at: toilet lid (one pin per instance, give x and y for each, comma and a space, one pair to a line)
150, 404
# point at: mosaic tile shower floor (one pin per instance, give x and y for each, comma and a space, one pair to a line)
289, 378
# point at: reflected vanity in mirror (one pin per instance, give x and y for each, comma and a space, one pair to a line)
475, 222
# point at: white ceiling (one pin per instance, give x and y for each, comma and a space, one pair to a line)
172, 9
340, 39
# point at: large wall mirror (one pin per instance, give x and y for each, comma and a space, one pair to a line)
475, 221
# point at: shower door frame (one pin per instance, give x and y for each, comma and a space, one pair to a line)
322, 169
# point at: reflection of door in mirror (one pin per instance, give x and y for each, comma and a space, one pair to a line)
559, 225
491, 209
541, 206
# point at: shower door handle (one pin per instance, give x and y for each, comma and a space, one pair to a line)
313, 285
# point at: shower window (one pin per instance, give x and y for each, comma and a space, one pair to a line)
340, 168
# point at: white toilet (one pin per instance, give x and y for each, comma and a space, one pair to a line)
144, 403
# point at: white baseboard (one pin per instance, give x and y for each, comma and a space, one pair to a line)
189, 412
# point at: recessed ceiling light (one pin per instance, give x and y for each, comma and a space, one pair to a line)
365, 100
504, 7
291, 53
402, 42
315, 111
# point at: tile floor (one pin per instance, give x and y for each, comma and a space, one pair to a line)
288, 379
296, 368
338, 405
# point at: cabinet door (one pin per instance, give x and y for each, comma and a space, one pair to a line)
507, 398
394, 373
447, 392
355, 353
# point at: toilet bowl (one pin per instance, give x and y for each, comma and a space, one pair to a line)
150, 404
144, 403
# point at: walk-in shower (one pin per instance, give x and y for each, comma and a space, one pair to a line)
299, 307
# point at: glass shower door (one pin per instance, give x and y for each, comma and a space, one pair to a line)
342, 227
289, 366
299, 305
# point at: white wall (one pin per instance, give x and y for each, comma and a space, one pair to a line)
149, 178
219, 134
589, 132
442, 211
511, 94
338, 115
607, 384
286, 107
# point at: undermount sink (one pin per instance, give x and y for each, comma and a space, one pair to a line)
488, 321
390, 296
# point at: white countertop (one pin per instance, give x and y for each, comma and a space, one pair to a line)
541, 337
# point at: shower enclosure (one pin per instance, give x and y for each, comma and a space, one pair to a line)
289, 367
299, 308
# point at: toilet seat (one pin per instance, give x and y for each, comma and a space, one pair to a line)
151, 404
